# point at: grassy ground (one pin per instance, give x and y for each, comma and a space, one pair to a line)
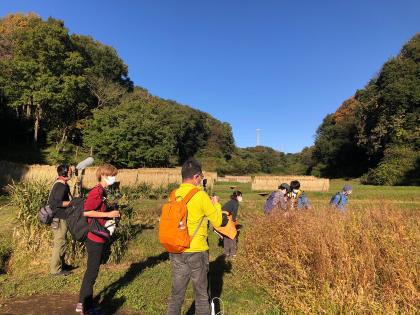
141, 283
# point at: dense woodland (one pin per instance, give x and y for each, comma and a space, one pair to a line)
376, 133
64, 96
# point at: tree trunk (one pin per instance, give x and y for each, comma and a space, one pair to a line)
29, 107
38, 113
63, 140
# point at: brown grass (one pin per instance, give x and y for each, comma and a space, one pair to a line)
322, 261
307, 183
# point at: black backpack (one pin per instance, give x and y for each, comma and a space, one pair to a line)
77, 223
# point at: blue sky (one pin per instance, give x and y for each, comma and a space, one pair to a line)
280, 66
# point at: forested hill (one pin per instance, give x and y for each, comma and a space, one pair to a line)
376, 133
63, 94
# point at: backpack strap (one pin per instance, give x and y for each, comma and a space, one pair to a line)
172, 196
340, 199
191, 194
198, 227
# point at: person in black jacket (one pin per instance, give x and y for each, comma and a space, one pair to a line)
231, 207
58, 200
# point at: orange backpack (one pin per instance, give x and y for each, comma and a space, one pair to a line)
173, 230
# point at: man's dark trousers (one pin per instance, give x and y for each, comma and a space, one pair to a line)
186, 266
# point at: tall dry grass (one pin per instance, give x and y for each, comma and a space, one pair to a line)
307, 183
322, 261
32, 241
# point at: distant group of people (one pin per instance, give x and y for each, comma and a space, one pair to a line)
288, 197
189, 264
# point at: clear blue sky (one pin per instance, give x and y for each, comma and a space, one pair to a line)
280, 66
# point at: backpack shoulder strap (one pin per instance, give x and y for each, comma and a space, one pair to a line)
340, 198
198, 227
172, 196
191, 194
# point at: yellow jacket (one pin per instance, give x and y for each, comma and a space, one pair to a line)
200, 205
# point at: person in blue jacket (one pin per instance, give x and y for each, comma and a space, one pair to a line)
341, 199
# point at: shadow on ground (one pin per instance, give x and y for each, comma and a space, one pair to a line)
218, 268
106, 298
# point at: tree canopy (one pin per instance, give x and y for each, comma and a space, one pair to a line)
377, 132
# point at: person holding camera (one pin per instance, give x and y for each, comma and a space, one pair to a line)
193, 264
58, 200
96, 209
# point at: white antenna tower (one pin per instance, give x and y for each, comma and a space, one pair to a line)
258, 136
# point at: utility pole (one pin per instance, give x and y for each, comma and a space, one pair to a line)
258, 136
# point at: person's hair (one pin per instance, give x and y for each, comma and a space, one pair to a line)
63, 169
284, 186
190, 168
106, 170
294, 184
236, 194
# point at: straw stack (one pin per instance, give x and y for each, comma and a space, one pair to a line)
307, 183
235, 179
127, 177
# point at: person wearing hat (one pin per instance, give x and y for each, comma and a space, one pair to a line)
341, 199
277, 200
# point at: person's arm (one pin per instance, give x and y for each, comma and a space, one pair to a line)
99, 214
276, 199
283, 202
234, 212
213, 212
93, 202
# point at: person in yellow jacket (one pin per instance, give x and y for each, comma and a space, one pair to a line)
193, 263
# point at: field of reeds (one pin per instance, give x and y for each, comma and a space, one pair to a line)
32, 239
324, 261
307, 183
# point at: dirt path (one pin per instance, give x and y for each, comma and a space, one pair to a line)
45, 304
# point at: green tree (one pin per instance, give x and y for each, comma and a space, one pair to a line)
43, 78
130, 135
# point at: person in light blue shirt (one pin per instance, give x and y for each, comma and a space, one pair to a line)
341, 199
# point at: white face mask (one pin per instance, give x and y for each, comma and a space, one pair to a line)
110, 180
239, 198
295, 191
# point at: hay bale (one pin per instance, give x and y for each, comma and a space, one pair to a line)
156, 177
235, 179
307, 183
